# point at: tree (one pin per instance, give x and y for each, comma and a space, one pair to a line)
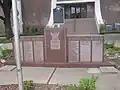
6, 6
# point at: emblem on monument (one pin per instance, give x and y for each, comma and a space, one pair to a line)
55, 35
55, 42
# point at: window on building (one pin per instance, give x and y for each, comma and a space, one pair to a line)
72, 12
79, 10
83, 10
67, 12
90, 10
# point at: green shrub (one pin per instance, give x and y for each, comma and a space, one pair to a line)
7, 54
4, 40
72, 87
107, 46
88, 83
34, 31
85, 84
28, 85
103, 28
111, 49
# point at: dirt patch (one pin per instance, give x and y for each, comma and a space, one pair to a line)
9, 87
35, 87
115, 62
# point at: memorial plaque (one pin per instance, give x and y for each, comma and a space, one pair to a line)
28, 51
55, 45
58, 15
21, 50
55, 42
73, 51
38, 51
85, 51
97, 51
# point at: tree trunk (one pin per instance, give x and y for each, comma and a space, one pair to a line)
8, 28
7, 4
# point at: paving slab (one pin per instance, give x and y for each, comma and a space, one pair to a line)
8, 77
62, 76
7, 68
108, 70
68, 75
93, 70
73, 75
37, 74
108, 82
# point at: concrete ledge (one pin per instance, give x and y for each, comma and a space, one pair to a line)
65, 65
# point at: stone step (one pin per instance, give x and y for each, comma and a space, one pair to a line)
93, 71
108, 70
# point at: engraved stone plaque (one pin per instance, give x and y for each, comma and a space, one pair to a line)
28, 51
55, 45
97, 51
38, 51
73, 51
55, 42
85, 51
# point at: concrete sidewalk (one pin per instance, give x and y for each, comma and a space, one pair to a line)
37, 74
106, 81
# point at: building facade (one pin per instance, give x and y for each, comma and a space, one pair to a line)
85, 16
81, 16
79, 13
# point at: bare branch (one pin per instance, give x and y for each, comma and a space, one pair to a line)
1, 4
2, 18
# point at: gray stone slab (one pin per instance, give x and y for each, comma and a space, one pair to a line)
68, 75
73, 52
28, 51
97, 51
61, 76
108, 82
93, 70
85, 51
7, 68
8, 78
37, 74
38, 51
108, 70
